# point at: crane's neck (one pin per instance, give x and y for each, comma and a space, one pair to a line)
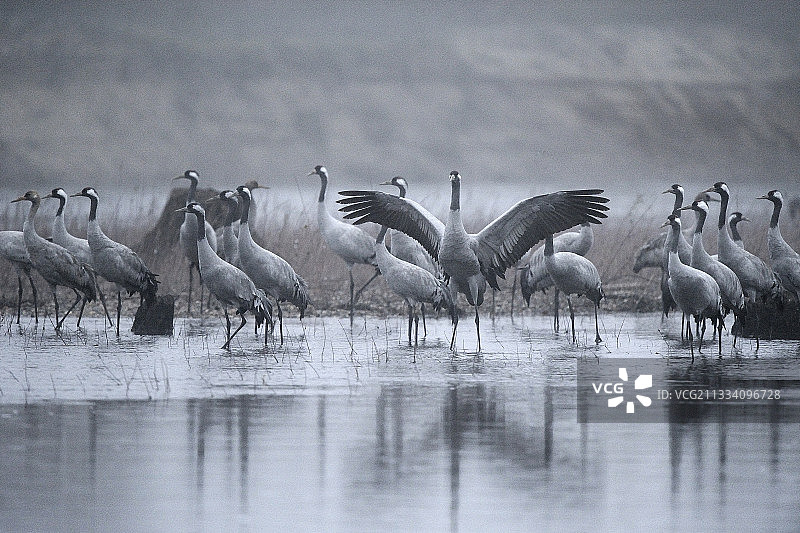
192, 191
723, 210
61, 203
548, 245
381, 235
776, 212
402, 191
673, 241
734, 225
323, 185
201, 227
232, 205
245, 209
455, 195
28, 226
700, 217
92, 208
678, 203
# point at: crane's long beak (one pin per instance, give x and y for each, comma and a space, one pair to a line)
386, 183
182, 210
21, 198
212, 199
76, 194
259, 187
744, 219
49, 195
181, 177
665, 224
684, 208
711, 189
765, 197
312, 173
667, 191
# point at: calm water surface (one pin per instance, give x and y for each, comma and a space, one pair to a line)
341, 431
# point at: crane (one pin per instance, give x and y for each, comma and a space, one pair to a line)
412, 283
56, 264
405, 248
572, 273
116, 262
269, 271
352, 244
785, 261
188, 235
473, 260
79, 247
228, 284
695, 292
12, 248
534, 276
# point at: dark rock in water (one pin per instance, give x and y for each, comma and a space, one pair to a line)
155, 319
772, 320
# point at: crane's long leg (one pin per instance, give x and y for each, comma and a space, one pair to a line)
55, 301
227, 326
280, 319
416, 334
227, 345
35, 298
478, 327
556, 324
597, 338
119, 309
720, 326
352, 301
202, 293
103, 301
424, 326
359, 291
58, 324
571, 318
410, 320
19, 296
702, 332
83, 304
191, 279
691, 342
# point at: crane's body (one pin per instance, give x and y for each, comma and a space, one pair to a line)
12, 249
785, 261
572, 274
352, 244
270, 272
116, 262
230, 285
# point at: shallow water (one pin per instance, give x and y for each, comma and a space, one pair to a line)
340, 430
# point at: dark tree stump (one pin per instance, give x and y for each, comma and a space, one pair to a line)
155, 319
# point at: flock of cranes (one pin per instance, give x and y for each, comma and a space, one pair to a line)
430, 261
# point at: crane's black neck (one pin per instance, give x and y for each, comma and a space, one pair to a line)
201, 226
678, 202
455, 195
61, 203
402, 191
92, 208
701, 220
676, 230
776, 212
192, 191
723, 209
733, 224
245, 208
323, 185
548, 245
381, 234
232, 205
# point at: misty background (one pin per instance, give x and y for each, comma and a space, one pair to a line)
537, 96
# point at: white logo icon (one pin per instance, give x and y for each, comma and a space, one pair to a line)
644, 381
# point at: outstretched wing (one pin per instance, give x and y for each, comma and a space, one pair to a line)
503, 242
398, 213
